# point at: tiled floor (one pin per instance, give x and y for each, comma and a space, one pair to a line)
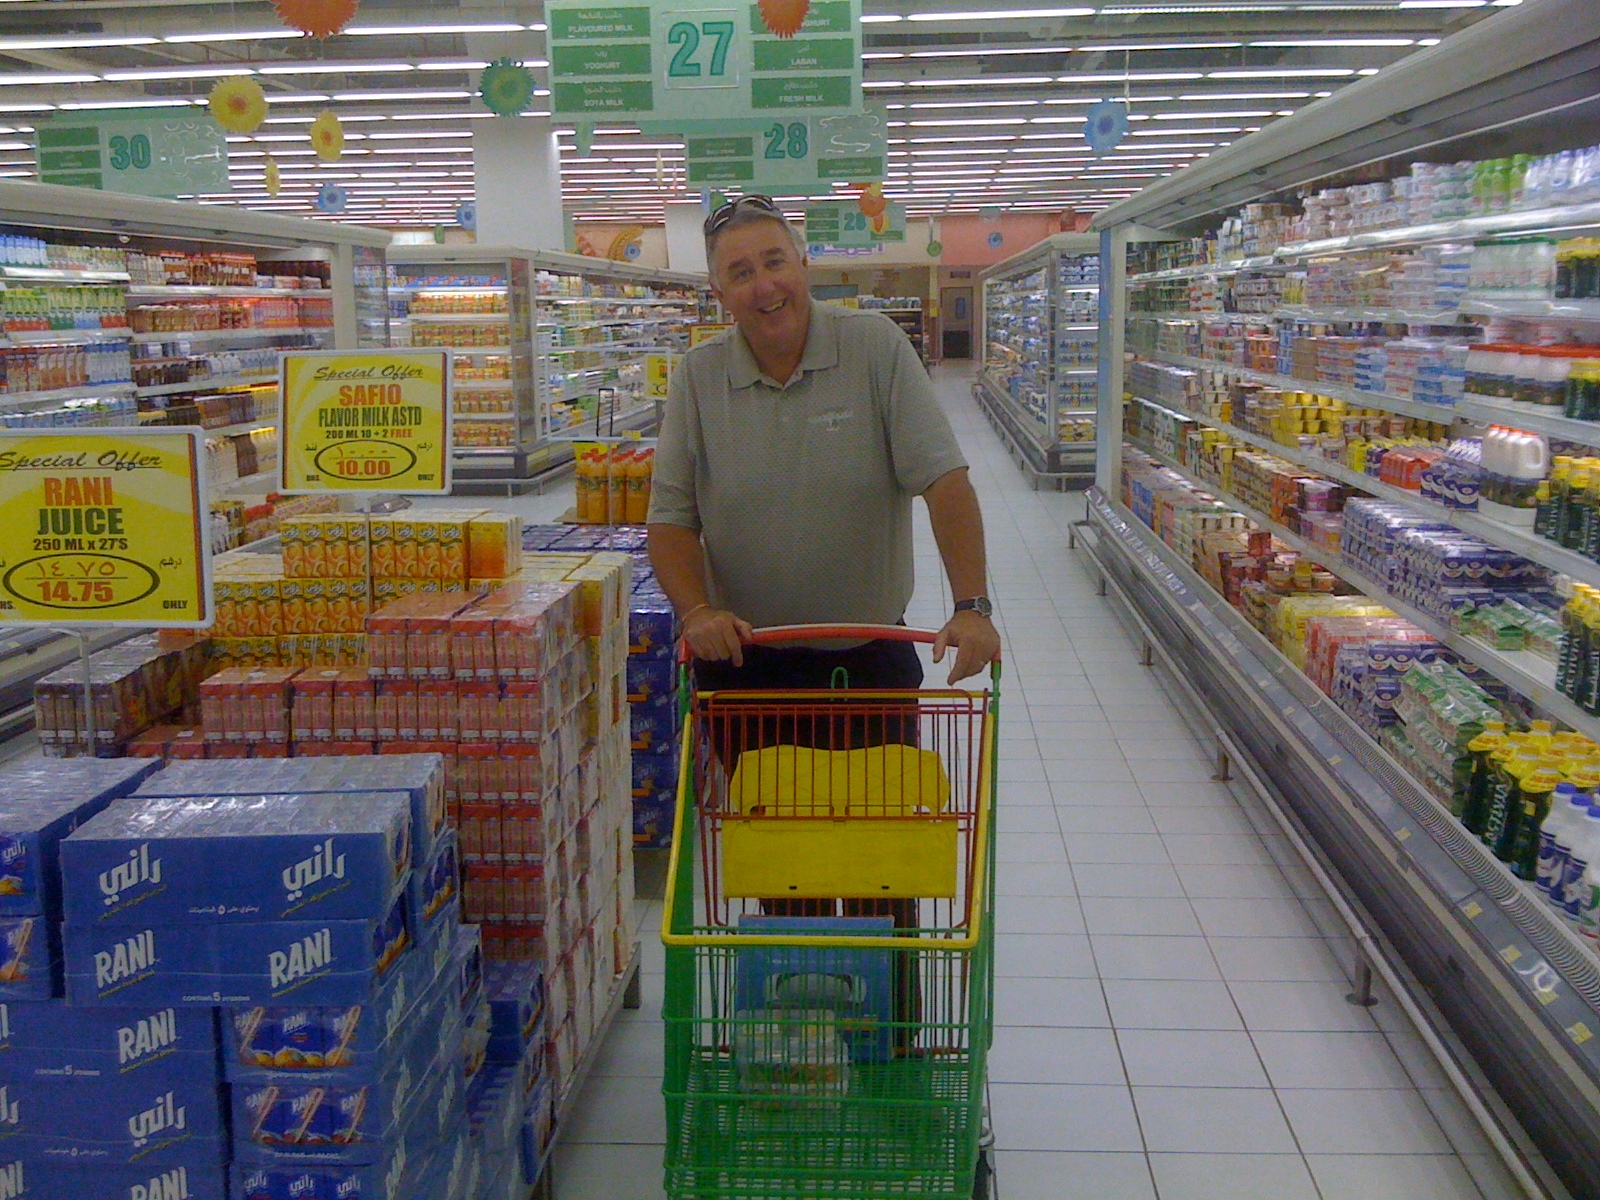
1171, 1019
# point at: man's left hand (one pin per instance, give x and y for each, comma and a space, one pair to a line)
976, 640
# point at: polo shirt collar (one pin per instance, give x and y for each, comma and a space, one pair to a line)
821, 352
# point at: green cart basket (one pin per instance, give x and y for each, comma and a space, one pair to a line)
829, 941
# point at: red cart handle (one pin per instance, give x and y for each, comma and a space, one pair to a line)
774, 635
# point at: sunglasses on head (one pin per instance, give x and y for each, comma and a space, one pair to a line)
726, 213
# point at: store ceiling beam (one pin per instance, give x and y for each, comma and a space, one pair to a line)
1520, 64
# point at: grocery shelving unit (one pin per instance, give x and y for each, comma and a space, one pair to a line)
1040, 336
1507, 983
571, 361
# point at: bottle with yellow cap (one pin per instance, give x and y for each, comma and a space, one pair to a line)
1568, 516
1497, 786
1547, 518
1470, 802
1519, 841
1513, 765
1571, 637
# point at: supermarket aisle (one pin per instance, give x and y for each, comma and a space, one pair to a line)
1170, 1023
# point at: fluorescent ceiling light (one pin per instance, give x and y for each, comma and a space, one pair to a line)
1130, 77
27, 108
1059, 121
402, 96
1444, 4
1096, 99
1210, 116
1314, 42
398, 30
43, 79
997, 81
296, 98
886, 54
423, 133
880, 18
1285, 73
984, 53
1212, 96
178, 73
349, 68
962, 122
72, 41
443, 116
234, 35
169, 102
1125, 46
973, 104
883, 83
1003, 14
1146, 132
1367, 71
458, 65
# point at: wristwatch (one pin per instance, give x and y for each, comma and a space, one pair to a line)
978, 604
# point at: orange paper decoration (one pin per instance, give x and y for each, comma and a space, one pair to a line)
784, 17
872, 201
319, 18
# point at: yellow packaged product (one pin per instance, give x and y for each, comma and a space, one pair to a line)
494, 545
269, 606
380, 546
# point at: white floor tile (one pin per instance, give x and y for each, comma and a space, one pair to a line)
1212, 1121
1171, 1004
1027, 818
1221, 1058
1278, 959
599, 1172
1139, 916
1199, 818
1103, 818
1053, 1003
1347, 1121
1035, 1054
1299, 1007
1046, 955
1256, 917
1130, 849
1039, 1175
1028, 848
1392, 1177
1245, 882
1054, 914
1035, 879
1042, 1116
1114, 879
1232, 1177
1217, 849
1154, 958
619, 1111
1330, 1060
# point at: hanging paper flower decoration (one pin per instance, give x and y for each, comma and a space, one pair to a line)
1107, 125
331, 198
872, 201
784, 17
506, 87
467, 215
319, 18
583, 140
274, 177
935, 249
238, 105
327, 136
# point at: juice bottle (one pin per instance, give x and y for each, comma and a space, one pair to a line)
1521, 836
1512, 761
641, 465
1471, 804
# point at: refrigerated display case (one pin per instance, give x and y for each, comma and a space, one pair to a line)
548, 348
1040, 339
1290, 409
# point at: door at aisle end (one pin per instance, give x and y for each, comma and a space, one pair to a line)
955, 308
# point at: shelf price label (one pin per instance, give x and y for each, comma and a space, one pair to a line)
164, 152
653, 60
104, 528
705, 331
371, 421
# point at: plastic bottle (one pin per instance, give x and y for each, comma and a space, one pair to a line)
616, 466
1581, 845
1547, 522
1567, 806
1473, 805
1583, 901
1569, 518
1509, 762
1518, 845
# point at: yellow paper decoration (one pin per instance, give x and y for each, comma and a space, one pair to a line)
274, 177
327, 137
238, 105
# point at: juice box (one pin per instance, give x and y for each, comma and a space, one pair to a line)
494, 546
314, 703
49, 1039
274, 962
354, 706
380, 546
133, 1120
193, 1170
238, 858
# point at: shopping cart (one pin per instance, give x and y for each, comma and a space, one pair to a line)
829, 940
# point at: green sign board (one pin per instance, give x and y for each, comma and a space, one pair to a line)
799, 156
149, 152
842, 225
663, 61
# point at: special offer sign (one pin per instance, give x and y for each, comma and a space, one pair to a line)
104, 527
365, 421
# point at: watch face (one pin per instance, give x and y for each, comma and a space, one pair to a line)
978, 604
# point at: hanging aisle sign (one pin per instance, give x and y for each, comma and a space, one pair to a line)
797, 155
842, 224
164, 152
104, 527
663, 61
374, 421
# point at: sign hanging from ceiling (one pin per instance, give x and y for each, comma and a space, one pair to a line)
662, 61
787, 157
840, 224
104, 527
166, 152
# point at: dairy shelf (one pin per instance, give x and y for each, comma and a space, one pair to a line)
90, 391
28, 338
216, 383
61, 275
227, 335
176, 291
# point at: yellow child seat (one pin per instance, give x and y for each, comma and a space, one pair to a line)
857, 824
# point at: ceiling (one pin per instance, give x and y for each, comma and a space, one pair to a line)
985, 101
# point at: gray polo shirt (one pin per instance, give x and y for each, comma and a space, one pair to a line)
802, 492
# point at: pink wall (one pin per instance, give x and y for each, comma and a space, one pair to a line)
966, 237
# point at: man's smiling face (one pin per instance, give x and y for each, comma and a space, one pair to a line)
760, 276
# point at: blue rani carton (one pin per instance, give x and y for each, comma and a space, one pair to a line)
30, 958
251, 858
516, 1000
279, 962
436, 883
201, 1175
419, 776
651, 628
508, 1183
648, 678
322, 1109
41, 802
385, 1169
132, 1119
538, 1121
495, 1104
54, 1041
653, 725
467, 964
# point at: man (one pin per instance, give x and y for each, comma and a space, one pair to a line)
790, 452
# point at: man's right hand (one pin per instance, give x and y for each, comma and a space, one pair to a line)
716, 635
